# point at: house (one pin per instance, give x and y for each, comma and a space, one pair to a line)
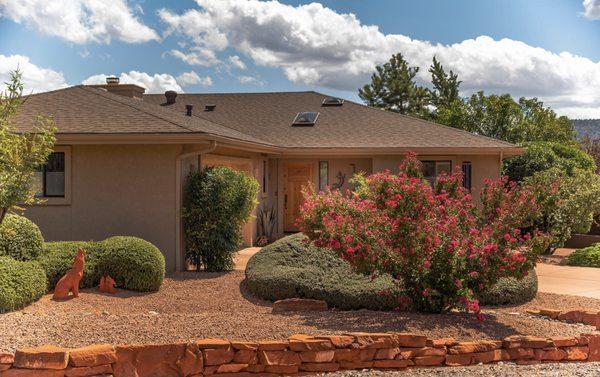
122, 156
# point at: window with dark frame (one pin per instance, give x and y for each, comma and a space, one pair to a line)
306, 118
323, 175
432, 169
466, 170
51, 177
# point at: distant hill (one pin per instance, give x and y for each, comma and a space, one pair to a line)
587, 127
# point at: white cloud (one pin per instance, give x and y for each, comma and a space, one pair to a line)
192, 78
248, 80
315, 45
198, 56
80, 21
157, 83
591, 9
237, 62
35, 79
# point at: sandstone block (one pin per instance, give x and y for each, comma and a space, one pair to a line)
387, 353
459, 359
93, 355
218, 356
338, 341
299, 305
317, 356
319, 367
474, 347
281, 369
526, 341
213, 343
242, 345
278, 358
520, 353
354, 355
88, 371
33, 373
411, 340
577, 353
355, 364
273, 345
231, 368
429, 360
45, 357
245, 357
7, 358
392, 364
564, 341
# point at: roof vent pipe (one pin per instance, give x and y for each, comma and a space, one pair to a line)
171, 96
188, 109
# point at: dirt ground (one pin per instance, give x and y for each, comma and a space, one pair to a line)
199, 305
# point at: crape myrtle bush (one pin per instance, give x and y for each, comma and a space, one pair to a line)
218, 201
21, 283
20, 238
445, 249
292, 267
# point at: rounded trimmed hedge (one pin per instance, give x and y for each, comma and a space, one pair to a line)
291, 268
21, 283
57, 259
586, 257
20, 238
134, 263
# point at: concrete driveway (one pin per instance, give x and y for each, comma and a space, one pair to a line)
568, 280
241, 259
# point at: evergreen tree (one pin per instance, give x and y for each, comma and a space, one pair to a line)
445, 91
393, 88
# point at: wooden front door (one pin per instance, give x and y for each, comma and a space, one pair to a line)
296, 176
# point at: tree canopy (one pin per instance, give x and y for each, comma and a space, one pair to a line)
21, 153
393, 87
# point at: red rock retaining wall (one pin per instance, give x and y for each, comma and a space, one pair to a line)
299, 354
588, 317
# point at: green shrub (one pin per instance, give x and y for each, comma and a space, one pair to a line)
511, 291
21, 283
57, 259
292, 268
569, 207
586, 257
218, 202
543, 155
20, 238
135, 264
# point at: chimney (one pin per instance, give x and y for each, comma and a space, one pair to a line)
126, 90
171, 96
188, 109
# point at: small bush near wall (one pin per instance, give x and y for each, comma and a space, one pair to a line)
21, 283
291, 268
57, 259
20, 238
218, 201
586, 257
135, 264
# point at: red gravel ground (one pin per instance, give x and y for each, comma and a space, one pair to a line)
199, 305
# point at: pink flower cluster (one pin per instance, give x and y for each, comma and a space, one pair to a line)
441, 246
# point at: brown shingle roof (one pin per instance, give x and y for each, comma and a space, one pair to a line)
269, 116
86, 110
261, 118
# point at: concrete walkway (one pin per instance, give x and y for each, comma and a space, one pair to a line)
241, 259
568, 280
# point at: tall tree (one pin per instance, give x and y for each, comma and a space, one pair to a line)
393, 88
445, 91
21, 153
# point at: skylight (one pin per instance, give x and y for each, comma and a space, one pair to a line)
306, 118
332, 101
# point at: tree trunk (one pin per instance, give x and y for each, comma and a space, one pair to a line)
3, 212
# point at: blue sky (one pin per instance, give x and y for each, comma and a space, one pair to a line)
548, 49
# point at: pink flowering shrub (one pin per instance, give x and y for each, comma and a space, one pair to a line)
443, 247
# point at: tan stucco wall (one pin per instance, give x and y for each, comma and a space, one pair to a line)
482, 166
117, 190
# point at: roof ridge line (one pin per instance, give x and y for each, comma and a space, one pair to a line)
117, 99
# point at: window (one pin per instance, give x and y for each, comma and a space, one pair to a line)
466, 170
433, 169
51, 177
323, 175
332, 101
305, 119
